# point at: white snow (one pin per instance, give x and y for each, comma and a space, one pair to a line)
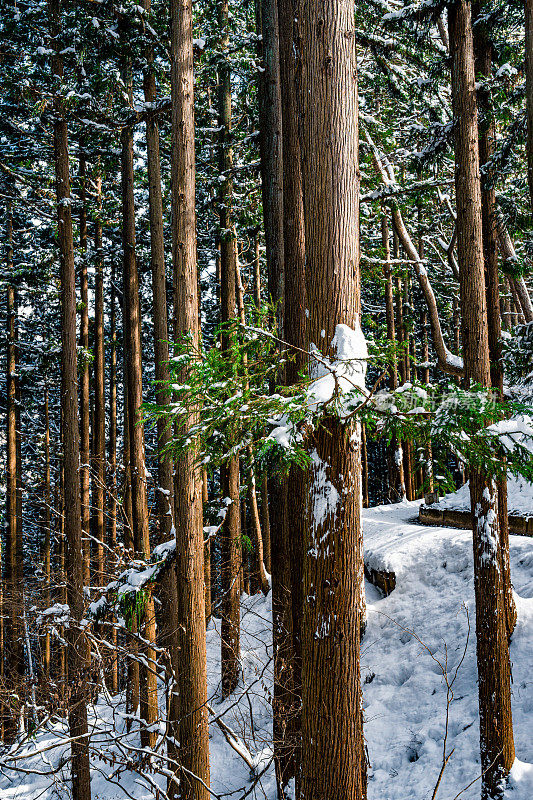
519, 498
421, 623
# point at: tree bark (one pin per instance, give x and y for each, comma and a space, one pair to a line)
496, 734
528, 45
191, 668
77, 649
486, 134
85, 469
133, 351
332, 755
112, 462
229, 473
13, 599
98, 493
395, 454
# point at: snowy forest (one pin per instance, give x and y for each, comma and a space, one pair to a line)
266, 399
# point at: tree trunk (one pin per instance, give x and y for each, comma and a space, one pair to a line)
191, 668
487, 132
528, 45
229, 473
496, 734
77, 649
85, 469
98, 494
395, 454
47, 532
112, 494
332, 756
133, 350
13, 634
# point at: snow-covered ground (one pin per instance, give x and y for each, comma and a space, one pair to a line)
519, 498
424, 619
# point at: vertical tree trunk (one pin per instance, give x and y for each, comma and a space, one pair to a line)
528, 46
496, 733
191, 669
487, 132
332, 755
112, 462
287, 559
229, 474
395, 455
77, 694
133, 349
98, 494
85, 469
13, 634
47, 533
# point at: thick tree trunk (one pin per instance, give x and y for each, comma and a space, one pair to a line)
496, 733
487, 132
287, 578
332, 754
229, 474
77, 649
191, 667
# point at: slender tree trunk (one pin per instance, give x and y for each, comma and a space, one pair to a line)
112, 462
229, 474
77, 649
252, 495
528, 44
85, 469
395, 455
47, 533
13, 634
192, 670
132, 315
496, 733
98, 494
332, 755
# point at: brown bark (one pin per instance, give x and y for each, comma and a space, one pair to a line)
191, 668
486, 133
229, 473
287, 558
77, 650
270, 138
133, 351
112, 462
252, 495
395, 451
85, 468
332, 755
528, 45
265, 524
98, 492
47, 532
13, 599
496, 734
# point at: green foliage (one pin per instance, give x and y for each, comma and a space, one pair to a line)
221, 400
133, 604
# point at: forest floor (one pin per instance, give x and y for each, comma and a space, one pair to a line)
426, 620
